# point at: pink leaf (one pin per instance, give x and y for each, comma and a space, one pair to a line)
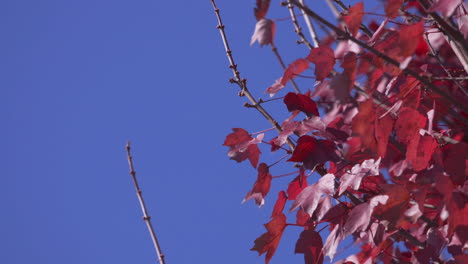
331, 244
445, 7
358, 172
309, 198
276, 87
261, 186
264, 33
324, 60
360, 216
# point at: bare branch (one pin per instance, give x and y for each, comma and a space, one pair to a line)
297, 28
146, 216
242, 83
310, 26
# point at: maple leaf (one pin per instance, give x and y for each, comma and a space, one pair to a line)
358, 172
419, 157
408, 124
301, 102
242, 146
264, 33
456, 162
312, 152
279, 205
309, 198
392, 7
310, 244
354, 17
262, 8
268, 242
324, 59
360, 216
445, 7
407, 36
261, 186
333, 239
297, 185
294, 69
363, 125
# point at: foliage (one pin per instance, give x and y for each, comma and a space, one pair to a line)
385, 125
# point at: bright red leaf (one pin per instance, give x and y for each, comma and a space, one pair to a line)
324, 59
294, 69
242, 146
279, 205
297, 185
354, 18
392, 7
268, 242
261, 186
409, 36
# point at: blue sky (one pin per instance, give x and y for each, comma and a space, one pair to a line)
80, 78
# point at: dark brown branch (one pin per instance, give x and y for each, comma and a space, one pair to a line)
146, 216
242, 83
389, 60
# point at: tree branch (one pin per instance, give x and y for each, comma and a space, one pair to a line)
242, 83
146, 217
283, 65
310, 26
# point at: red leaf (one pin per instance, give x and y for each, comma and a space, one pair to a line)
242, 146
297, 185
309, 198
392, 7
354, 18
261, 186
408, 124
268, 242
420, 158
295, 68
383, 129
264, 33
445, 7
409, 35
275, 87
310, 244
302, 103
363, 125
279, 205
324, 59
261, 9
456, 161
311, 152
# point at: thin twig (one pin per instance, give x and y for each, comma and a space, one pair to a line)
454, 37
242, 83
280, 59
146, 217
310, 26
297, 28
389, 60
439, 60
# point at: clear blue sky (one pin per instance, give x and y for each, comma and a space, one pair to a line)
79, 79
